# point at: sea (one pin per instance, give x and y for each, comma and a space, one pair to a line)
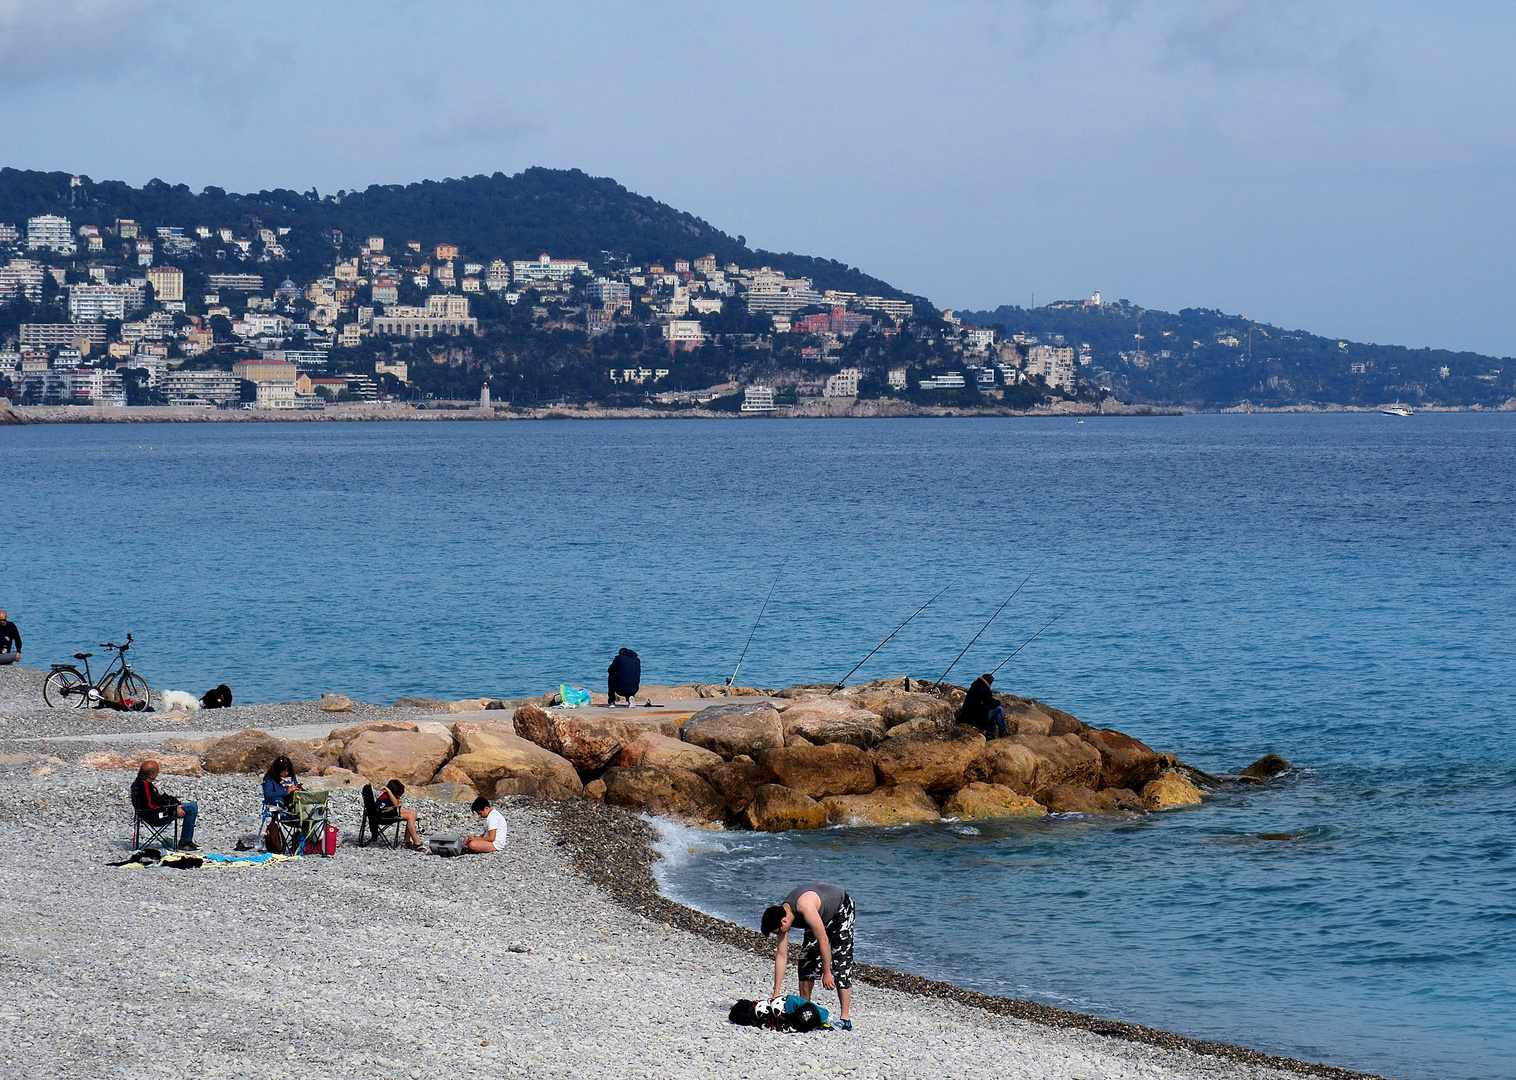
1337, 589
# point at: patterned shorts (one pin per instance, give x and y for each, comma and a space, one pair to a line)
839, 934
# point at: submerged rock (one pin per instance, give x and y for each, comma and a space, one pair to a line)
1170, 789
980, 800
1267, 766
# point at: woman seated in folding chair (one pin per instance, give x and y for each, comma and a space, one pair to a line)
279, 783
388, 802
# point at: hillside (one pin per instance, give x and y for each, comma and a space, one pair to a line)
1206, 359
566, 213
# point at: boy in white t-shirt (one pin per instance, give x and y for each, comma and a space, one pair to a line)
494, 829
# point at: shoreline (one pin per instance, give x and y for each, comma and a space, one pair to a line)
613, 849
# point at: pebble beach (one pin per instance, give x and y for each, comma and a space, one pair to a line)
555, 958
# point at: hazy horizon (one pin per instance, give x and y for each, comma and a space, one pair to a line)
1341, 168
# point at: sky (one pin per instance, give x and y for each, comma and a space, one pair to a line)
1345, 168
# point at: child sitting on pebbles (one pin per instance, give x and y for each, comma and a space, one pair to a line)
493, 838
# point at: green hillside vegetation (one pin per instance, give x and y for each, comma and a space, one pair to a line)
1202, 358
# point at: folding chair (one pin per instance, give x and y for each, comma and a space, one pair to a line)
310, 814
161, 831
376, 823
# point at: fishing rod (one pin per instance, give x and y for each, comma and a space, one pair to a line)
843, 681
1029, 640
991, 619
754, 630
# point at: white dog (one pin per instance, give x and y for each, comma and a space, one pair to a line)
179, 701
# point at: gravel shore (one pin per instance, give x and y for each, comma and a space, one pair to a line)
396, 964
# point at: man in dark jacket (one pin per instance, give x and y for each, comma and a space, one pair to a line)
10, 641
624, 677
154, 806
981, 710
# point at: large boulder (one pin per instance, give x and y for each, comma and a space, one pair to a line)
535, 787
168, 764
730, 730
819, 771
1070, 799
446, 793
911, 727
335, 703
1062, 759
344, 734
938, 763
1011, 764
653, 748
778, 809
589, 741
1267, 766
252, 751
536, 724
1124, 761
667, 792
901, 708
412, 757
980, 800
903, 804
490, 750
844, 724
736, 781
333, 779
1169, 789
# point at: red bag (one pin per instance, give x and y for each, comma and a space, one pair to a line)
329, 847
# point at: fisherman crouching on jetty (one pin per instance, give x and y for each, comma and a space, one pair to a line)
826, 911
623, 677
981, 710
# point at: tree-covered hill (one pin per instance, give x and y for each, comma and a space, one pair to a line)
566, 213
1207, 359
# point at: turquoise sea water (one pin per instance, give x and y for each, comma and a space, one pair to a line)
1337, 589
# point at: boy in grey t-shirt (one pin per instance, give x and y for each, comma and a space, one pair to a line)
827, 952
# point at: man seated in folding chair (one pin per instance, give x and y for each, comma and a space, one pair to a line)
159, 814
384, 811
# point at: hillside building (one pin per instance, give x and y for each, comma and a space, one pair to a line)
49, 232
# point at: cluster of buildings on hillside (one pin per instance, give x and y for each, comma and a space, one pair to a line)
122, 309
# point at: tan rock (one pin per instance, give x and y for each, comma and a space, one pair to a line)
1124, 761
412, 757
189, 746
535, 787
1168, 790
720, 690
902, 804
253, 751
168, 764
490, 750
980, 800
345, 734
1069, 799
938, 763
779, 809
592, 742
903, 707
447, 793
333, 779
819, 771
536, 724
911, 727
335, 703
729, 730
594, 791
327, 749
839, 723
736, 781
653, 748
451, 774
1011, 764
1062, 759
667, 792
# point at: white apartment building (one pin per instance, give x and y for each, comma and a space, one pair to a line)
96, 303
22, 276
443, 316
978, 339
548, 269
1055, 363
256, 324
844, 384
247, 283
49, 232
202, 387
276, 395
608, 293
61, 335
684, 332
756, 399
897, 378
769, 292
948, 380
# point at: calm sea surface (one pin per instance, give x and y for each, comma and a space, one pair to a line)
1337, 589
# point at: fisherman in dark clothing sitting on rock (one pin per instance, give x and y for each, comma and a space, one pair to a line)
981, 710
624, 677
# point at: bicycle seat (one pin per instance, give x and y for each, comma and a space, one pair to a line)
83, 655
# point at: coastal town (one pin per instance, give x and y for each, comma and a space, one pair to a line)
122, 313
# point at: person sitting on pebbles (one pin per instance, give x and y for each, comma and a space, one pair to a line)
388, 802
827, 951
493, 838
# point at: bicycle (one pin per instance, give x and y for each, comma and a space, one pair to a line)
67, 688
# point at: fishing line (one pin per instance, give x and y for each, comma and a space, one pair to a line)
992, 618
754, 630
841, 682
1029, 640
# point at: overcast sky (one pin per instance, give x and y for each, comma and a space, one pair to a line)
1340, 167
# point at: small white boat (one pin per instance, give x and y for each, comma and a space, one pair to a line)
1396, 409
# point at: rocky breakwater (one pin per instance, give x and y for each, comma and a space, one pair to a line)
886, 753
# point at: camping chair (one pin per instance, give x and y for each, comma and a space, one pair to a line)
161, 831
310, 816
376, 823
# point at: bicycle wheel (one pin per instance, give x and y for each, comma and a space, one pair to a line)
65, 690
132, 693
